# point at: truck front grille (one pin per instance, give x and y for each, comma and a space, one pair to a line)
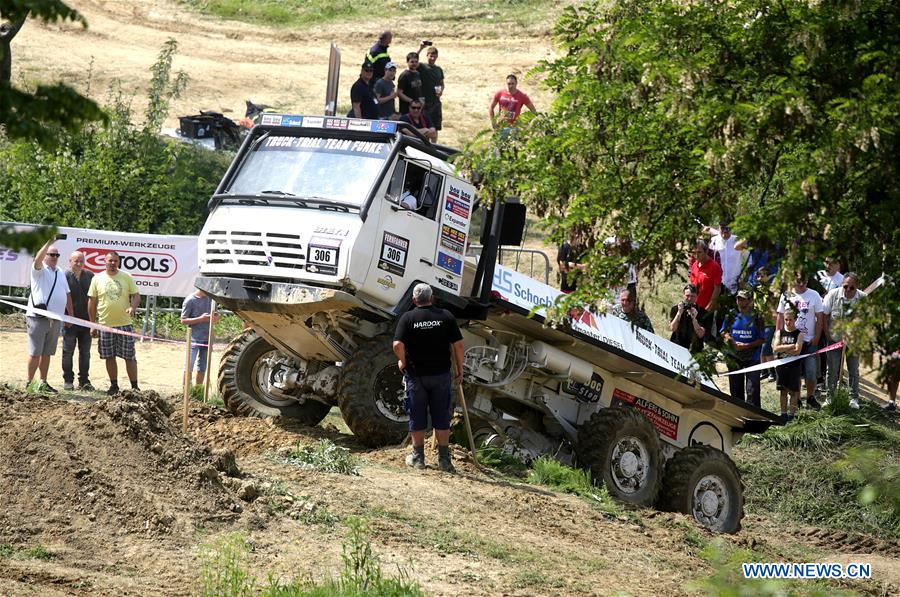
237, 247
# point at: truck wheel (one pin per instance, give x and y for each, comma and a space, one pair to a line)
371, 395
704, 482
621, 449
243, 372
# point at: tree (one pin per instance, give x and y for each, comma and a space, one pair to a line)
780, 115
39, 114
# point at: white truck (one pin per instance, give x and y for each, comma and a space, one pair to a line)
313, 240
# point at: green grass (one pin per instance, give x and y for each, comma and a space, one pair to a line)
551, 473
168, 325
294, 13
226, 572
326, 457
834, 471
38, 552
500, 460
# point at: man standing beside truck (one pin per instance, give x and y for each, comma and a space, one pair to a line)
423, 342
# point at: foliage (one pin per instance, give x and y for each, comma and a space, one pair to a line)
225, 572
325, 456
500, 459
168, 325
118, 175
880, 479
782, 117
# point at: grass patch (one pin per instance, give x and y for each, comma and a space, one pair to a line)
839, 471
326, 457
551, 473
285, 13
168, 325
227, 574
38, 552
498, 459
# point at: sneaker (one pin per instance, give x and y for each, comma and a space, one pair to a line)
86, 387
813, 403
891, 407
854, 404
113, 390
68, 386
415, 460
44, 387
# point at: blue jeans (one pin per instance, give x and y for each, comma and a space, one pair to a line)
745, 381
833, 358
199, 351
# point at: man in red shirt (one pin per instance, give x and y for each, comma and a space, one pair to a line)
706, 275
511, 101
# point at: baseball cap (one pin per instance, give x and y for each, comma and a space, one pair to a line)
389, 66
744, 294
367, 65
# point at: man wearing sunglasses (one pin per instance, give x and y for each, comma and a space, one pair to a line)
838, 307
49, 292
418, 119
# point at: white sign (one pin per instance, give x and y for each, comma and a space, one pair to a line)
524, 292
160, 265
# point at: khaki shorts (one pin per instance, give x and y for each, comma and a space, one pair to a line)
43, 335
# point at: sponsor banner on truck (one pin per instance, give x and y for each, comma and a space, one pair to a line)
160, 265
666, 423
529, 294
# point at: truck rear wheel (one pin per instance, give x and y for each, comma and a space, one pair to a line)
621, 449
243, 373
703, 482
371, 395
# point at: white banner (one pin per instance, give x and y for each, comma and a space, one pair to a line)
160, 265
527, 293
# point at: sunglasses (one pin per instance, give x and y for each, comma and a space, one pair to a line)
411, 108
849, 287
57, 255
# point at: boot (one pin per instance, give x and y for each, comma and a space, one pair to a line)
444, 462
417, 458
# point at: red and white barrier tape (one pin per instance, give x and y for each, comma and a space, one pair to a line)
88, 324
785, 360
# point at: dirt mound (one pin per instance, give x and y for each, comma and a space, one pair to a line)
115, 467
250, 436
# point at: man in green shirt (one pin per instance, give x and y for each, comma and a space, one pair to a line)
628, 310
113, 299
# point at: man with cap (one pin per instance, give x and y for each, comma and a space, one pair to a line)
743, 333
362, 96
378, 56
423, 342
386, 93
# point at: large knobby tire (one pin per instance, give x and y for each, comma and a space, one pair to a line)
371, 395
621, 449
703, 482
241, 374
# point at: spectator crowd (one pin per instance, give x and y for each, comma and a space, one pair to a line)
730, 302
414, 96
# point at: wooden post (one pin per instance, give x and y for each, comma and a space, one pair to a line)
209, 346
187, 380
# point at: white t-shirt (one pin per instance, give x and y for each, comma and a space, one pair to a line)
408, 200
808, 305
730, 258
42, 283
829, 283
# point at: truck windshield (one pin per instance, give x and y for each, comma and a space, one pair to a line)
339, 170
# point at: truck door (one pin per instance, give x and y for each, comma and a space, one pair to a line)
455, 214
407, 231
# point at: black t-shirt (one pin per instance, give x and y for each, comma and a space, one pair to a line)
363, 93
78, 289
566, 254
427, 333
684, 335
410, 83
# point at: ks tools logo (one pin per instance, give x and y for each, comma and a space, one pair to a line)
141, 264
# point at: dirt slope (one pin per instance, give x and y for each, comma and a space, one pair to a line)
122, 503
229, 62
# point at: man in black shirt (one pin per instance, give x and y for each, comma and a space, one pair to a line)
362, 96
409, 85
79, 280
689, 321
423, 342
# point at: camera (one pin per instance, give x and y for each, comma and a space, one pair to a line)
427, 42
687, 306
